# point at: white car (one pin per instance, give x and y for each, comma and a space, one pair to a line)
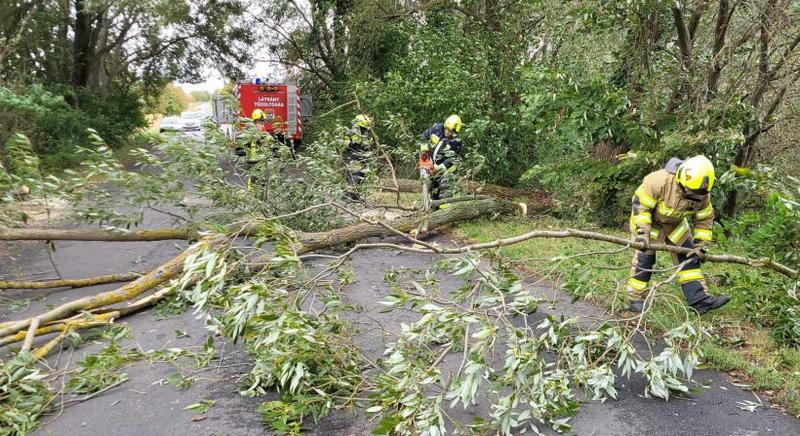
170, 124
192, 121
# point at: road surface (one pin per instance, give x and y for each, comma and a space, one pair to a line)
144, 405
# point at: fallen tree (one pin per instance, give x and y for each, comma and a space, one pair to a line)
302, 243
537, 200
292, 322
67, 283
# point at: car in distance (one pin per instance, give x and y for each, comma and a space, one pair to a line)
192, 121
170, 124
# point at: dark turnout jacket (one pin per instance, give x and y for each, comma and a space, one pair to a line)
443, 150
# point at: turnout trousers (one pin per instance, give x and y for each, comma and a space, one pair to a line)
689, 277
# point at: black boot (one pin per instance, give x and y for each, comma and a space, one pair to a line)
636, 306
710, 303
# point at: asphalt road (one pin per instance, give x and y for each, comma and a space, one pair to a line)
144, 405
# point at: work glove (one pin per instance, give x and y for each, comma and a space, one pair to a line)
424, 148
699, 250
642, 239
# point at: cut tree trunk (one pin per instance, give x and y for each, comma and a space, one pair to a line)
306, 243
460, 211
537, 201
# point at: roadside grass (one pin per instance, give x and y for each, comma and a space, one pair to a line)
598, 271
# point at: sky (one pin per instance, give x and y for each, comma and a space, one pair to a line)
214, 80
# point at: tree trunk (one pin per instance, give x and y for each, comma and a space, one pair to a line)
68, 283
765, 75
81, 46
537, 201
36, 234
720, 32
461, 211
306, 243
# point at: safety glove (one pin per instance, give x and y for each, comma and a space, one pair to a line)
424, 148
642, 238
699, 250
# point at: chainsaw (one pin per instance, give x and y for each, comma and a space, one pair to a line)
426, 170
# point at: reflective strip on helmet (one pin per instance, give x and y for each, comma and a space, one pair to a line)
645, 198
689, 275
654, 234
702, 234
642, 218
704, 212
676, 235
637, 284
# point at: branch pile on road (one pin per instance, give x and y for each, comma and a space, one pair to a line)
250, 279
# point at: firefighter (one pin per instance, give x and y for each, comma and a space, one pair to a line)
256, 151
663, 205
357, 139
259, 118
445, 141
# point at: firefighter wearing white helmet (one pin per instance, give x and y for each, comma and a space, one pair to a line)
443, 141
664, 205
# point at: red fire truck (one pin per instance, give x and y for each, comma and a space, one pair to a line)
282, 103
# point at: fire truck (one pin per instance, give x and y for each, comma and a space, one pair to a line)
286, 109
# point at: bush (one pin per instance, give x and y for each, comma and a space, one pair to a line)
57, 123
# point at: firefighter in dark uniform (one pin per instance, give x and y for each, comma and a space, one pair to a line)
443, 141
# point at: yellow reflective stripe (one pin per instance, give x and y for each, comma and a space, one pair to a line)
705, 212
643, 218
654, 234
690, 275
676, 235
645, 198
702, 234
665, 210
636, 284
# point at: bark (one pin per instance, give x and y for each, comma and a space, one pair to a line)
461, 211
37, 234
685, 43
131, 290
765, 76
684, 37
81, 50
306, 243
537, 201
26, 346
68, 283
720, 32
53, 328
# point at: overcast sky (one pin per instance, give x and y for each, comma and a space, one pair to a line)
214, 80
